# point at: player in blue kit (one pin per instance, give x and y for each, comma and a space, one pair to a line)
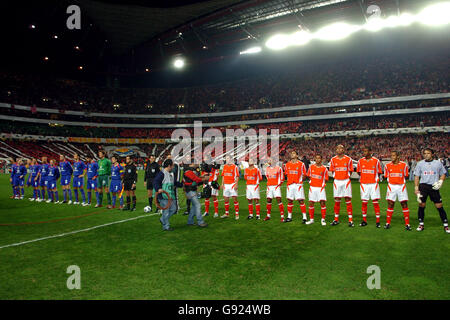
66, 171
92, 174
35, 168
52, 178
13, 179
21, 177
79, 170
43, 178
28, 166
29, 183
116, 182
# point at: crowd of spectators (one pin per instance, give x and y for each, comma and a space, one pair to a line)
264, 116
362, 78
410, 146
346, 124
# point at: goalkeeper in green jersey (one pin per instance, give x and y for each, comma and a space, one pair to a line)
104, 173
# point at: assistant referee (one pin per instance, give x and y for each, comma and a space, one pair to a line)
130, 178
429, 176
151, 170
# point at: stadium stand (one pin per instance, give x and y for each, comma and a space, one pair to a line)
386, 76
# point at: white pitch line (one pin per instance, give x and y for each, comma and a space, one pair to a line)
87, 229
76, 231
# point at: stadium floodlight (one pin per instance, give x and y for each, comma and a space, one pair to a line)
436, 14
300, 38
374, 25
278, 42
336, 31
178, 63
251, 50
405, 19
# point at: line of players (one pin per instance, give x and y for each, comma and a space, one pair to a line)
429, 173
103, 176
369, 170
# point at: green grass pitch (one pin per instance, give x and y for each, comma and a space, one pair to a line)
228, 260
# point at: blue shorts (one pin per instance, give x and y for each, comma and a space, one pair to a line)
65, 180
78, 182
15, 182
43, 182
116, 186
20, 182
51, 184
91, 184
34, 184
29, 182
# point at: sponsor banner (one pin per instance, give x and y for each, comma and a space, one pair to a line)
117, 140
125, 151
5, 136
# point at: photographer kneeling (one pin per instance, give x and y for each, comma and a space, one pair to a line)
191, 180
165, 195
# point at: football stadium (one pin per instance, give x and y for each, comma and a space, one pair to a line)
225, 150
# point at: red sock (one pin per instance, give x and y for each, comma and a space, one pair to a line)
227, 207
349, 210
207, 205
311, 212
281, 207
258, 209
269, 208
250, 208
216, 206
323, 210
337, 208
236, 207
389, 213
364, 210
376, 208
290, 206
303, 208
406, 215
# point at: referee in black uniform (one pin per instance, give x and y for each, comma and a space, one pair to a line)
151, 169
130, 178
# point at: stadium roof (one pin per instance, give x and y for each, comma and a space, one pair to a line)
210, 23
132, 37
129, 23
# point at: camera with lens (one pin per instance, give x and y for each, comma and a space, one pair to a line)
206, 192
206, 167
209, 167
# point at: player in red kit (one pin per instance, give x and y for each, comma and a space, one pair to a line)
342, 166
369, 170
396, 172
252, 176
213, 176
318, 176
230, 174
295, 171
275, 178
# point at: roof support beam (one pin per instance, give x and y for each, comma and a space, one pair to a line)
361, 2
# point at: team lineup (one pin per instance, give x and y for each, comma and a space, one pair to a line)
111, 177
